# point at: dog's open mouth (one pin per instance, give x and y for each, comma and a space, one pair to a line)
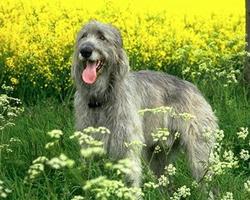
91, 70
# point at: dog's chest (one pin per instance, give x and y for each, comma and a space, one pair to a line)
97, 117
102, 118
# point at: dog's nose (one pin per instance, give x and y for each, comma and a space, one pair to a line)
86, 51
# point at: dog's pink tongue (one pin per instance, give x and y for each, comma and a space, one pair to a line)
89, 73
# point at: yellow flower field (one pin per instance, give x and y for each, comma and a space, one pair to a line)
196, 40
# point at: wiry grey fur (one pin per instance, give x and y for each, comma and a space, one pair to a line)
120, 94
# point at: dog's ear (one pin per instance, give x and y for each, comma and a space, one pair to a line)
92, 20
117, 34
73, 70
123, 64
119, 37
74, 62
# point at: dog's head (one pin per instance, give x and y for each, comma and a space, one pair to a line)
99, 54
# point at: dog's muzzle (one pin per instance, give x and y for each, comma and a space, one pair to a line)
92, 63
86, 51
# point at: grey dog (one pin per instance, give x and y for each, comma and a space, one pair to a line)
109, 95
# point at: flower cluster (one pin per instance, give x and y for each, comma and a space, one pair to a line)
161, 134
89, 145
170, 170
56, 135
38, 165
244, 154
219, 164
220, 159
3, 190
208, 47
243, 133
170, 111
247, 186
36, 168
9, 107
60, 162
163, 180
104, 188
121, 167
182, 192
228, 196
78, 197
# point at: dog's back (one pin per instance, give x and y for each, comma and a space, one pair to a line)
156, 89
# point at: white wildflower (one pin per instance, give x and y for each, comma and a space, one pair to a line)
135, 145
84, 139
219, 135
242, 134
244, 154
77, 198
151, 185
182, 192
55, 133
36, 168
247, 186
218, 164
176, 135
163, 181
123, 166
194, 184
101, 130
60, 162
4, 191
208, 134
170, 169
50, 144
186, 116
228, 196
40, 159
12, 140
162, 109
161, 134
230, 160
92, 151
104, 188
157, 149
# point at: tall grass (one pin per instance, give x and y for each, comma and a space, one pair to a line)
30, 137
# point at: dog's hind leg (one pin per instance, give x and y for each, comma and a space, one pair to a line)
198, 150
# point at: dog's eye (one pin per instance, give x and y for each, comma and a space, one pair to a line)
101, 37
84, 35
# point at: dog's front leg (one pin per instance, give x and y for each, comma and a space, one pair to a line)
124, 151
134, 176
126, 141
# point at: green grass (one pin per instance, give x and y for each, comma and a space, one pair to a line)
232, 107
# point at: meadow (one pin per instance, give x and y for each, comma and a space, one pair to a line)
202, 42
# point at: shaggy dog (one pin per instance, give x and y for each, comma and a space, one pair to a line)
109, 95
